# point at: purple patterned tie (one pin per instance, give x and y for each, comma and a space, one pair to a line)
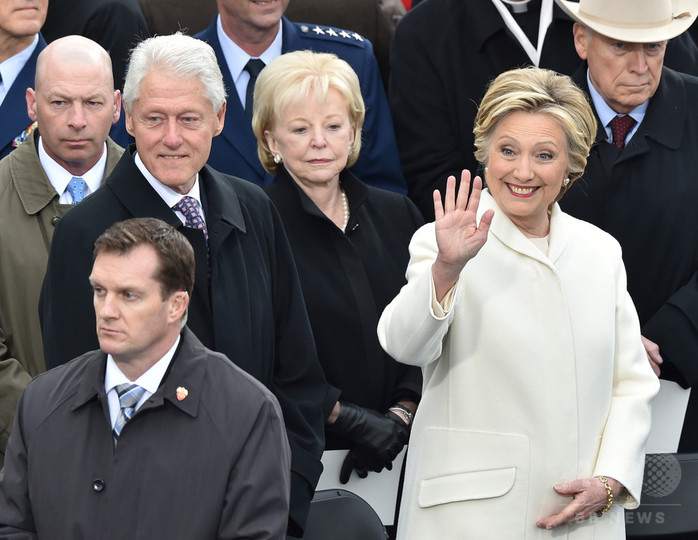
620, 127
189, 208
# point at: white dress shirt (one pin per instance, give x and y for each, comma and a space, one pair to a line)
10, 68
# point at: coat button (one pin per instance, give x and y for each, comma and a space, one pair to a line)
98, 485
55, 220
305, 29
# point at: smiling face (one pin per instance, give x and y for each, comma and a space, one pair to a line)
173, 124
527, 162
134, 323
625, 74
313, 139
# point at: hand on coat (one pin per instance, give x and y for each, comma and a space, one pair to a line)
458, 236
377, 438
653, 355
589, 496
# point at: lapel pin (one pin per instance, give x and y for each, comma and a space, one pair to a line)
182, 393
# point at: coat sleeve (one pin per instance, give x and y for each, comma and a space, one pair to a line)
379, 161
622, 451
409, 330
16, 516
674, 327
298, 382
65, 305
13, 379
256, 502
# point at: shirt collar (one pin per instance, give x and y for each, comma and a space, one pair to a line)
167, 194
150, 380
60, 177
10, 68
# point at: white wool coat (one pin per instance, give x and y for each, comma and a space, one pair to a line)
535, 374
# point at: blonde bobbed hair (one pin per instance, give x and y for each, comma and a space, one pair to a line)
540, 91
294, 76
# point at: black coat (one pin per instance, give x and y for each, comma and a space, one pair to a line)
252, 310
444, 54
646, 197
347, 280
117, 25
212, 465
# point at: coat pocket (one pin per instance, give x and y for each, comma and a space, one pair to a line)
463, 465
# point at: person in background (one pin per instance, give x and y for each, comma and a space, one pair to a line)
248, 35
247, 302
640, 183
443, 56
153, 435
536, 403
66, 158
349, 241
20, 45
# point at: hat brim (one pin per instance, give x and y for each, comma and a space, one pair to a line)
630, 34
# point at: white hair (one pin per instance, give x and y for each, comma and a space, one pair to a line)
180, 56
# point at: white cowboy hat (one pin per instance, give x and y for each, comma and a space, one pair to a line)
634, 21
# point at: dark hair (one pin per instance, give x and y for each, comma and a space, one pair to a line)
173, 250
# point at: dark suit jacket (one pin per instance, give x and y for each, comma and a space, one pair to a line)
347, 280
13, 111
213, 465
252, 310
117, 25
234, 151
444, 54
646, 197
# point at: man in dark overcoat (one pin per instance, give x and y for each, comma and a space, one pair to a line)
640, 183
247, 302
154, 435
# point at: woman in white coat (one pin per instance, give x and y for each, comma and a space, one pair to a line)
537, 389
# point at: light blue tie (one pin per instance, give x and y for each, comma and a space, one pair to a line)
129, 395
76, 188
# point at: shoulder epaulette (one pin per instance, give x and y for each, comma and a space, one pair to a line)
329, 33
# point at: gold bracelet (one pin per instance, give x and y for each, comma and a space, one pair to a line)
609, 493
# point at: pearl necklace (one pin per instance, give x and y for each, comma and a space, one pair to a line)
345, 207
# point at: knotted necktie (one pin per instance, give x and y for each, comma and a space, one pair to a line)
129, 395
254, 68
76, 188
190, 210
620, 127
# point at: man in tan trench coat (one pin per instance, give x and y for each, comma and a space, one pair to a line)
74, 105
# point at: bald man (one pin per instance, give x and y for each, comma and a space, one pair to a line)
63, 160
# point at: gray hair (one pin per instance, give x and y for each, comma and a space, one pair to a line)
180, 56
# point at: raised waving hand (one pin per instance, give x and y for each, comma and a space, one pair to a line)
458, 235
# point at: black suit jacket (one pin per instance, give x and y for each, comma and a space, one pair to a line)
443, 56
347, 280
252, 310
646, 197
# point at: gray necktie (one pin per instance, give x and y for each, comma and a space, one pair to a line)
129, 395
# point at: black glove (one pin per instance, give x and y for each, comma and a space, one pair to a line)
360, 461
379, 437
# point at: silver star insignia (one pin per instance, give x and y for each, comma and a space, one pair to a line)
345, 34
331, 32
357, 37
318, 30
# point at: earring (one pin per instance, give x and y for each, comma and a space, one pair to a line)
566, 182
277, 158
350, 148
485, 170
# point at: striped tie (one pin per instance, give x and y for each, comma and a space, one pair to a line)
129, 395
